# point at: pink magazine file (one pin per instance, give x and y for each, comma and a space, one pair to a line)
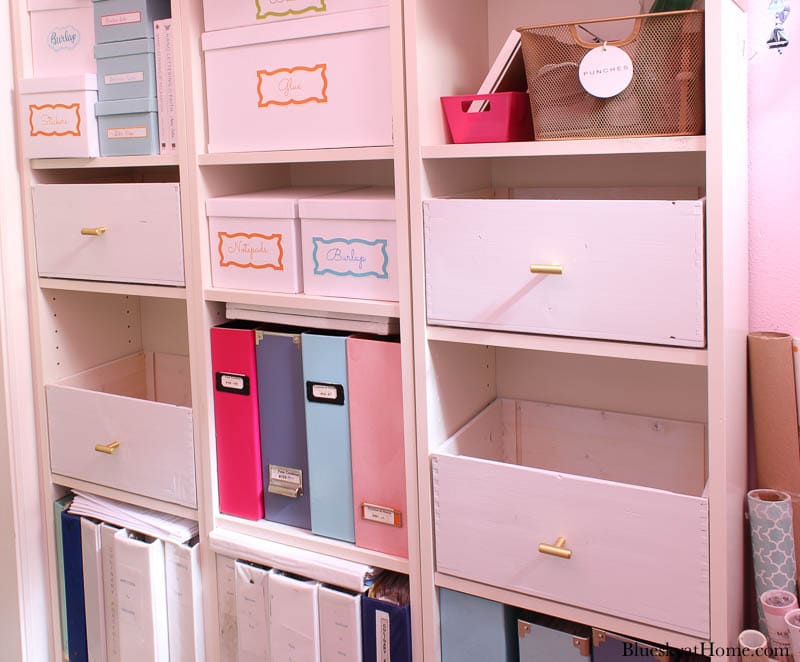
376, 444
233, 361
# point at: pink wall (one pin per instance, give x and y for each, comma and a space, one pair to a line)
774, 174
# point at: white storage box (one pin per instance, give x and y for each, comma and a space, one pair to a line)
127, 425
350, 244
57, 116
116, 232
224, 14
621, 495
255, 239
62, 37
611, 269
319, 82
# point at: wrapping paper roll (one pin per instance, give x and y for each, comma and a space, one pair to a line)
772, 540
774, 399
753, 644
793, 623
776, 604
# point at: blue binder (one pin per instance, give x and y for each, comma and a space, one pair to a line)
610, 647
474, 629
385, 627
73, 587
284, 455
328, 434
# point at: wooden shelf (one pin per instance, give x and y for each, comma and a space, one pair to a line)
581, 346
567, 148
106, 162
585, 616
298, 156
288, 535
102, 287
305, 302
127, 497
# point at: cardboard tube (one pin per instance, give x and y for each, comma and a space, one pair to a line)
776, 605
772, 392
753, 644
793, 623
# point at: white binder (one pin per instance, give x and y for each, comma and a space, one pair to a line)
339, 625
184, 602
226, 606
93, 590
141, 598
294, 622
252, 612
107, 533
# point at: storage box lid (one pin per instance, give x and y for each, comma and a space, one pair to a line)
274, 203
126, 106
350, 21
121, 48
60, 84
368, 204
48, 5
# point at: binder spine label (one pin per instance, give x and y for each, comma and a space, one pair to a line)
232, 383
328, 394
381, 514
383, 637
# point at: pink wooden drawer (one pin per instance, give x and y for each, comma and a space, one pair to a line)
625, 492
141, 401
630, 270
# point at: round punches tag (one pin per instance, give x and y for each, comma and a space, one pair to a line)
606, 71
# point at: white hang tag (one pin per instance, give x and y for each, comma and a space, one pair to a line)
605, 71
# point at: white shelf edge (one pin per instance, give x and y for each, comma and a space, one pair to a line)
305, 302
106, 162
127, 497
298, 156
103, 287
561, 345
567, 147
293, 537
585, 616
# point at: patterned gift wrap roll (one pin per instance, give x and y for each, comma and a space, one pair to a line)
752, 643
792, 619
772, 539
776, 604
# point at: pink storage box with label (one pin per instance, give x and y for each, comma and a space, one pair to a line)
255, 239
62, 37
316, 83
224, 14
350, 244
57, 116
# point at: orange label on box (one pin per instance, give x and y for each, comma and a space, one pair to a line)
251, 251
55, 119
277, 8
292, 85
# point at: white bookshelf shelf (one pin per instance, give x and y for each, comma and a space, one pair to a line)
298, 156
106, 162
102, 287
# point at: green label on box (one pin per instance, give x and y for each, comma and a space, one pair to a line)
278, 8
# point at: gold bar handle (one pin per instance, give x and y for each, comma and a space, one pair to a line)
557, 549
94, 232
108, 449
547, 269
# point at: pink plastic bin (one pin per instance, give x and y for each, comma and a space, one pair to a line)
506, 117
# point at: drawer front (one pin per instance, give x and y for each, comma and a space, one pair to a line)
155, 456
141, 241
631, 270
637, 553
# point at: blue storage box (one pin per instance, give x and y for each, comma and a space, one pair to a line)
128, 127
475, 629
548, 639
121, 20
126, 69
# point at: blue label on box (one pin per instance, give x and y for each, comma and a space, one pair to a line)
63, 38
350, 257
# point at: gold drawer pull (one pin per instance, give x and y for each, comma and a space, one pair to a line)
94, 232
557, 549
547, 269
108, 449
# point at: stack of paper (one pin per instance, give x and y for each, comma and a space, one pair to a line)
143, 520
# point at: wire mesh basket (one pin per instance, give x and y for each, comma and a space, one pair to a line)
664, 98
